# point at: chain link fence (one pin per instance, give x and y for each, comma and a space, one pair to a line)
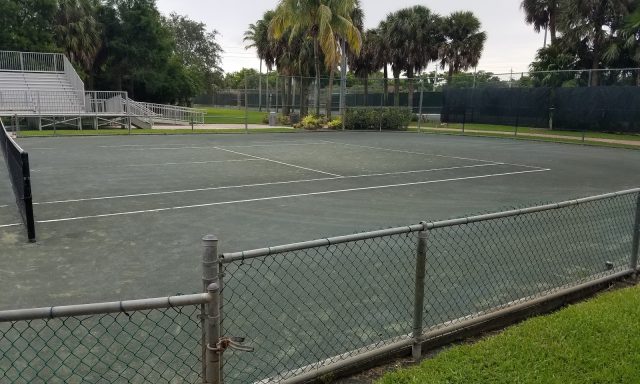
566, 100
145, 341
304, 311
310, 308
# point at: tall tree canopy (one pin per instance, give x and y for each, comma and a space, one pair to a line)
325, 21
463, 44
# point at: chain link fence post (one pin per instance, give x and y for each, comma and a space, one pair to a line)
210, 313
420, 106
418, 303
246, 106
636, 237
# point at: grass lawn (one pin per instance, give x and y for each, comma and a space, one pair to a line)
525, 130
232, 116
597, 341
124, 132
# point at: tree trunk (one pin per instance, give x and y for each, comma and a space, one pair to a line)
316, 59
552, 27
304, 98
385, 85
260, 88
366, 89
396, 89
289, 96
410, 89
450, 75
329, 99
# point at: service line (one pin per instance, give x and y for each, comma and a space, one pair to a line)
279, 197
258, 185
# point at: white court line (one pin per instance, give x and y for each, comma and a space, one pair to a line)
283, 197
257, 185
186, 144
214, 147
278, 162
153, 165
10, 225
431, 154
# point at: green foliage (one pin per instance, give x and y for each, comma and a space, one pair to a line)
27, 25
335, 123
377, 118
197, 50
312, 122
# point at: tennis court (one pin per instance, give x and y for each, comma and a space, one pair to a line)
122, 217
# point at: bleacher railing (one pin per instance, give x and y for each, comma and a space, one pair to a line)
174, 114
31, 61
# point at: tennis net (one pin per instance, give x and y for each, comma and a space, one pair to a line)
17, 161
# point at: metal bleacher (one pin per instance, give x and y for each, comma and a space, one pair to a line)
45, 90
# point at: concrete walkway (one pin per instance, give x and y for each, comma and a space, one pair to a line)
220, 126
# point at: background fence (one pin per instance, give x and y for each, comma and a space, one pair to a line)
312, 309
551, 99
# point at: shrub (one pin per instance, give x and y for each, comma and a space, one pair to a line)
378, 118
312, 122
335, 123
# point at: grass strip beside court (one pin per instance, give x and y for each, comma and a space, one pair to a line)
232, 116
597, 341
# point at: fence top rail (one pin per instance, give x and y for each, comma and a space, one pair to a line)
228, 258
104, 308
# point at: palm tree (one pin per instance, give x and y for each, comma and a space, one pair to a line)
78, 32
323, 21
413, 36
463, 44
258, 37
593, 23
542, 14
369, 60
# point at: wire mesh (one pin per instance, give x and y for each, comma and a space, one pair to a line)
303, 309
480, 267
155, 346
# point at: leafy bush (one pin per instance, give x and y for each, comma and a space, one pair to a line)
335, 123
312, 122
378, 118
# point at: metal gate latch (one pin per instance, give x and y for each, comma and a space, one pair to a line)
235, 343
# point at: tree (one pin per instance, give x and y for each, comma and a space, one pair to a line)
197, 49
463, 44
79, 34
323, 21
27, 25
369, 59
138, 55
413, 36
542, 14
593, 23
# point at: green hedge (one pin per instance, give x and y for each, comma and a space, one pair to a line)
396, 119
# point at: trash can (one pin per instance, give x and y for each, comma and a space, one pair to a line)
273, 119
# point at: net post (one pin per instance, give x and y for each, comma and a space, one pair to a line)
210, 313
418, 302
27, 199
636, 237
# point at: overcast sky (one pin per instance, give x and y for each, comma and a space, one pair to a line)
511, 44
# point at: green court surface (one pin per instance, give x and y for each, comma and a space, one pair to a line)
122, 217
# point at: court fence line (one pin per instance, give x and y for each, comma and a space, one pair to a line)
316, 309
